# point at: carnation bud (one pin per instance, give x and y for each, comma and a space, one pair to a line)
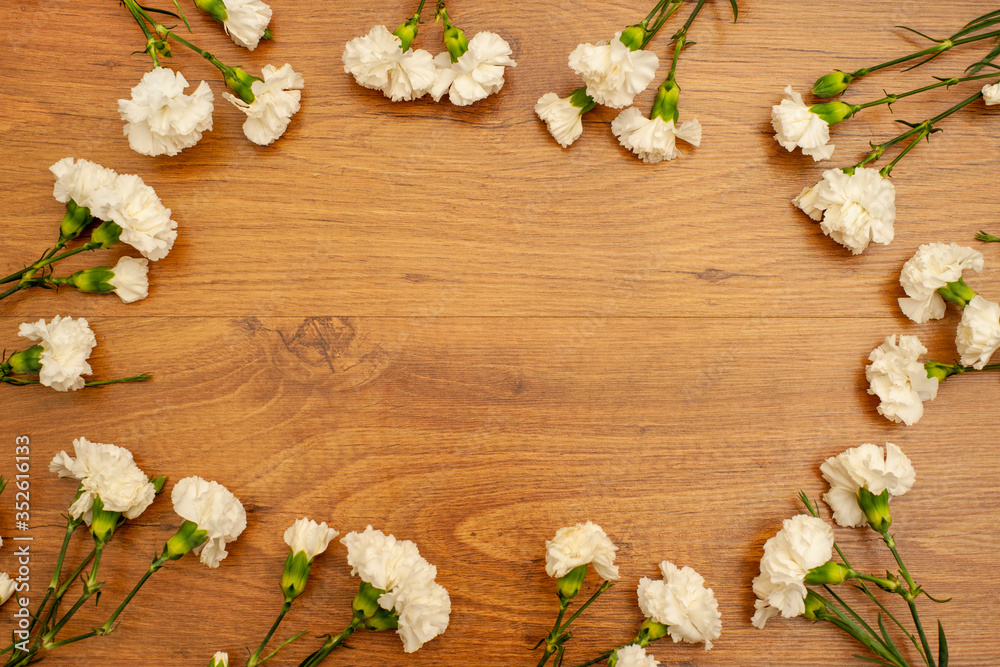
383, 619
829, 573
215, 8
240, 83
220, 659
958, 293
935, 369
633, 37
832, 84
103, 522
651, 631
74, 221
815, 608
876, 509
187, 537
94, 281
407, 32
365, 604
569, 584
26, 361
665, 106
834, 112
293, 580
106, 235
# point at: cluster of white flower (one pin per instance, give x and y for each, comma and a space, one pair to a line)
852, 209
804, 542
930, 277
123, 199
406, 580
160, 119
276, 98
66, 345
796, 125
381, 61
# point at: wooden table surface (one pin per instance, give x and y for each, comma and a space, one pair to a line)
434, 320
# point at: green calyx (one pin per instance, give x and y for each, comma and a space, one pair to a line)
74, 221
876, 509
568, 585
834, 112
103, 522
633, 37
25, 361
651, 631
215, 8
581, 100
832, 84
365, 604
830, 573
957, 292
407, 32
383, 619
187, 537
935, 369
293, 579
240, 83
94, 281
815, 608
667, 97
106, 235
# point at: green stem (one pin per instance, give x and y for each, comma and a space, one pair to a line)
930, 51
667, 8
886, 171
157, 563
910, 596
605, 586
255, 658
9, 379
928, 656
891, 98
332, 643
551, 640
48, 260
927, 125
165, 33
90, 587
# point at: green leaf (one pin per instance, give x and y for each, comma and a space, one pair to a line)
736, 11
182, 16
942, 647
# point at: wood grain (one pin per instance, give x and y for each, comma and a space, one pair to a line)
434, 320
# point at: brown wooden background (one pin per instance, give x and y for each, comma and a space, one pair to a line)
435, 320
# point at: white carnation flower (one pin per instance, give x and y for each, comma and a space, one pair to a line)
867, 466
634, 655
424, 611
66, 346
247, 20
477, 74
276, 100
563, 120
898, 377
108, 472
933, 266
991, 94
220, 659
144, 220
614, 75
160, 119
7, 587
804, 542
582, 544
978, 335
215, 510
78, 180
131, 279
682, 602
796, 126
854, 210
376, 61
653, 139
396, 567
307, 536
